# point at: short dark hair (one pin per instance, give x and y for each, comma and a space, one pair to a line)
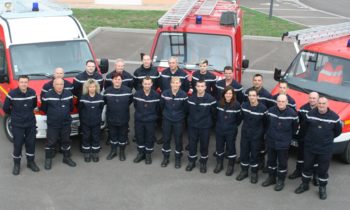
23, 77
258, 75
147, 78
116, 74
253, 90
89, 61
200, 81
228, 68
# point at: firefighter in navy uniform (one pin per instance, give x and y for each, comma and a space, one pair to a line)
282, 125
322, 125
58, 73
283, 89
20, 104
252, 132
146, 69
90, 114
227, 121
58, 104
147, 110
203, 74
118, 98
89, 73
172, 71
201, 109
173, 102
229, 81
119, 66
311, 104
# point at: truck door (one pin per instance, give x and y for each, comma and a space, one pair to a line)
4, 77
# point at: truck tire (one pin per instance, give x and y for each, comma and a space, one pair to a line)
346, 154
7, 127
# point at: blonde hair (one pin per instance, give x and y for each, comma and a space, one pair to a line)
175, 79
88, 83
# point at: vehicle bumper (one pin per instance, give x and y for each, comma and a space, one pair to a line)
42, 126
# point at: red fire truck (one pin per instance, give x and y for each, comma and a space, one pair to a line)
195, 29
35, 38
323, 65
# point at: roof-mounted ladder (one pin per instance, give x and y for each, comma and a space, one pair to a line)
317, 34
207, 7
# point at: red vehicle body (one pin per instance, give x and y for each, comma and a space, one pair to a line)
306, 74
203, 36
34, 43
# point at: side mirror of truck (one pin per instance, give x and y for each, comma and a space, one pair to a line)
4, 78
277, 74
104, 65
245, 63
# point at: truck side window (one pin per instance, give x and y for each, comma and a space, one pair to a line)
3, 65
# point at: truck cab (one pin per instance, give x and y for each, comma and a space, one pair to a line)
35, 38
323, 66
201, 29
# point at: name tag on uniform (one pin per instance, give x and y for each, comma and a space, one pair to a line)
63, 106
319, 126
145, 105
92, 107
25, 105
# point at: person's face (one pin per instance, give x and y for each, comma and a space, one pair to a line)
203, 67
228, 96
58, 85
147, 84
119, 66
59, 73
146, 61
175, 85
228, 74
282, 103
117, 81
313, 98
322, 105
200, 87
257, 82
23, 84
90, 67
172, 64
92, 88
253, 97
283, 88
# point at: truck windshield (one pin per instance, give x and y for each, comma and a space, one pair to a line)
40, 59
325, 74
190, 48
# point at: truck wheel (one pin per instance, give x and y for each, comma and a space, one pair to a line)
7, 128
346, 154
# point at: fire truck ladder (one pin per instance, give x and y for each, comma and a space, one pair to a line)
317, 34
176, 15
207, 7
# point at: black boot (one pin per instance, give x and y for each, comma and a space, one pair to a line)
302, 188
219, 165
16, 167
177, 162
87, 157
32, 165
279, 185
48, 159
242, 175
254, 178
122, 154
191, 165
67, 160
203, 167
322, 192
315, 180
261, 163
230, 167
269, 181
165, 161
148, 159
95, 157
140, 157
112, 153
295, 174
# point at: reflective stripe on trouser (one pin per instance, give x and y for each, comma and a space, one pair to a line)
91, 138
145, 136
249, 154
118, 135
24, 136
323, 161
200, 135
277, 156
172, 128
226, 139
